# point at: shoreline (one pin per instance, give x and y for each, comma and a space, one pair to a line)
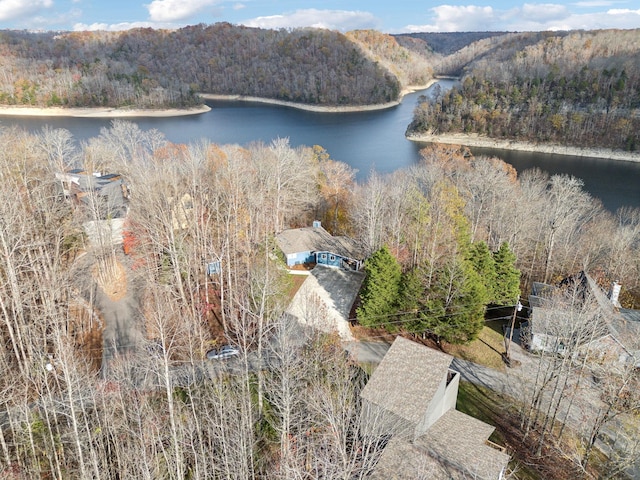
318, 108
478, 141
99, 112
112, 112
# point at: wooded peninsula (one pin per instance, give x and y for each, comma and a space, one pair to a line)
575, 89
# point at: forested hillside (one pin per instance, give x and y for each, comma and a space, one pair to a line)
446, 43
149, 68
577, 89
411, 67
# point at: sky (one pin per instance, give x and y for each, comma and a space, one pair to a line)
387, 16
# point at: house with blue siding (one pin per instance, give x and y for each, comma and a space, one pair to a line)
314, 245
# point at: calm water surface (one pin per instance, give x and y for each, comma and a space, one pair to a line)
364, 140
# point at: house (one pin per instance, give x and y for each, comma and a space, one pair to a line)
411, 398
547, 329
552, 327
102, 196
102, 200
316, 245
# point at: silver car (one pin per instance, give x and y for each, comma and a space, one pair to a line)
226, 351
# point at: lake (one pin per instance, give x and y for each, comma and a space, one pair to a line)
372, 140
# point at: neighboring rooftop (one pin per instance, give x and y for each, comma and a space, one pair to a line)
454, 448
316, 239
460, 441
105, 194
407, 379
325, 299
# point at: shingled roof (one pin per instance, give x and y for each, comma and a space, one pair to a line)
407, 379
316, 239
460, 441
412, 385
454, 448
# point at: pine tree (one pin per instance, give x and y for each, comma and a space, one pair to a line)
411, 299
458, 298
485, 266
507, 280
381, 288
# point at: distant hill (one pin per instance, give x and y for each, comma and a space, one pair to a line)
579, 88
149, 68
446, 43
411, 64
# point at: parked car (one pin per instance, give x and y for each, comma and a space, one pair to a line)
226, 351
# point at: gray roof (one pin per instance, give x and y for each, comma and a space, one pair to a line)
402, 460
453, 448
460, 441
316, 239
625, 327
623, 324
407, 379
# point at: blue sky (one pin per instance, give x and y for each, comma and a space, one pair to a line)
384, 15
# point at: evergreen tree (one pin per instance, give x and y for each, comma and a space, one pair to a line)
380, 290
484, 264
507, 281
411, 299
458, 298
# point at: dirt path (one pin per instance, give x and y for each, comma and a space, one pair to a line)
119, 305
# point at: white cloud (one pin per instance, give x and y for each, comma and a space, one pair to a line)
176, 10
452, 18
623, 11
594, 3
239, 6
343, 20
527, 17
589, 21
543, 12
55, 18
14, 9
112, 27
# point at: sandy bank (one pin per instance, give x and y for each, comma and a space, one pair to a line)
300, 106
318, 108
478, 141
101, 112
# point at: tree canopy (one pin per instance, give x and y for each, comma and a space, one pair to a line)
380, 290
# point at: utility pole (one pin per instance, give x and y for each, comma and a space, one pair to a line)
517, 307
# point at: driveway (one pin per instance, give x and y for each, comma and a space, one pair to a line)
123, 325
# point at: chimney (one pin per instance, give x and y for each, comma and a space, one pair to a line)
614, 293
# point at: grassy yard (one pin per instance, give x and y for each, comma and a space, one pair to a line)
296, 283
486, 350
